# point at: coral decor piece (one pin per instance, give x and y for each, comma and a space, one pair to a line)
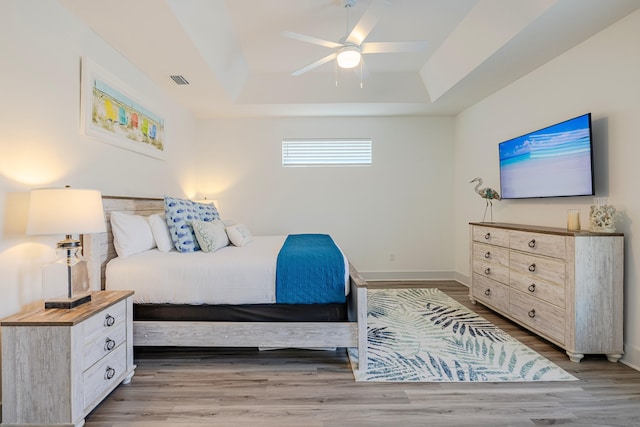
602, 217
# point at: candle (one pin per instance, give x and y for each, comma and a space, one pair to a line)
573, 219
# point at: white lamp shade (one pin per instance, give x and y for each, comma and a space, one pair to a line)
65, 211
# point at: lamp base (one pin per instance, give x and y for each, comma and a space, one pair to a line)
67, 302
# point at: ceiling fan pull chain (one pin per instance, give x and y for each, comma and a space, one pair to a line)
361, 61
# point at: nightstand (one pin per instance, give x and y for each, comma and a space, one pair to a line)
59, 364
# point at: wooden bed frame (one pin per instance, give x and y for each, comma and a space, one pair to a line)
98, 250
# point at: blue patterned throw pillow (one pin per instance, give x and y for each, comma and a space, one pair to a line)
180, 213
206, 211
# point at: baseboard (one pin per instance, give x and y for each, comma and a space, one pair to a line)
462, 278
373, 276
631, 357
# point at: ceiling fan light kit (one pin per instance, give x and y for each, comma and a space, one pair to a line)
348, 57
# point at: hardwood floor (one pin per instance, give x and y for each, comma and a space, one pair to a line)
231, 387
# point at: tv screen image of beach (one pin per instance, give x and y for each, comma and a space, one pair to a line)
551, 162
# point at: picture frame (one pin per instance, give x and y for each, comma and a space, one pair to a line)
114, 113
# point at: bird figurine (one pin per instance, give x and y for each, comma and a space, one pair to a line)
487, 193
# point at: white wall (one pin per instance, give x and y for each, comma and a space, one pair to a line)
400, 205
40, 45
599, 76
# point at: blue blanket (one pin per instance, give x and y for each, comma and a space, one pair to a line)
310, 270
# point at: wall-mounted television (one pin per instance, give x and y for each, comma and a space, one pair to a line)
556, 161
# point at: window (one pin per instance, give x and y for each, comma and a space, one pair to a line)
326, 152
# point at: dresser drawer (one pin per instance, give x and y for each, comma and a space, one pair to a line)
491, 292
491, 254
493, 236
550, 292
550, 245
105, 320
104, 375
490, 270
104, 344
533, 313
537, 267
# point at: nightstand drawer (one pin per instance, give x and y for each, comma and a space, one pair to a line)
103, 344
104, 321
104, 375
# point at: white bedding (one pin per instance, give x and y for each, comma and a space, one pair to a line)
231, 275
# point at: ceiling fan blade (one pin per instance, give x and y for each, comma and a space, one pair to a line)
310, 39
391, 47
315, 64
366, 23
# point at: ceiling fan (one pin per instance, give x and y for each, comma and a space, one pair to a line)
348, 51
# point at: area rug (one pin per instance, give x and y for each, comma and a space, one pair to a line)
423, 335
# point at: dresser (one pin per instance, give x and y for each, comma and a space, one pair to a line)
565, 286
59, 364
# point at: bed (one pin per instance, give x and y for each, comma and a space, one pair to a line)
334, 325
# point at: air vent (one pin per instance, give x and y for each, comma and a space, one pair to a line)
180, 80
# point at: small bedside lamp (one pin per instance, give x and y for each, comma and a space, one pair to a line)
66, 211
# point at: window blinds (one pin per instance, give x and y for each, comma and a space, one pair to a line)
326, 152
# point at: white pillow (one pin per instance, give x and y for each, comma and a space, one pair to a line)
211, 235
131, 234
160, 230
239, 234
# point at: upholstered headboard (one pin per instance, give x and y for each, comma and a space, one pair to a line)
98, 248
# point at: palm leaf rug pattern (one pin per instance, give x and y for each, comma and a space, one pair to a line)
423, 335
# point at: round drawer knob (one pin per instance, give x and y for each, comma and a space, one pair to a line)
487, 271
532, 313
487, 292
532, 287
487, 255
109, 320
109, 373
532, 267
109, 344
532, 243
487, 236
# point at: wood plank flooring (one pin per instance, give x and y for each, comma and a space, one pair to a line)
238, 387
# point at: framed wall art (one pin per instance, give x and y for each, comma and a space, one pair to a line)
115, 113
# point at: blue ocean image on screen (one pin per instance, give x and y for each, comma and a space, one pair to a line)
554, 161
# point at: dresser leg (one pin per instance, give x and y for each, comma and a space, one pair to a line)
613, 358
575, 357
127, 379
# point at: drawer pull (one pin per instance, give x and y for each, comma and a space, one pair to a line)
109, 373
109, 321
487, 271
487, 255
532, 313
532, 287
532, 267
532, 243
487, 236
109, 344
487, 292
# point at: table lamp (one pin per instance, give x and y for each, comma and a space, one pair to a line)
66, 211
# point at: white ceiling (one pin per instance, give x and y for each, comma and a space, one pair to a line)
238, 62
